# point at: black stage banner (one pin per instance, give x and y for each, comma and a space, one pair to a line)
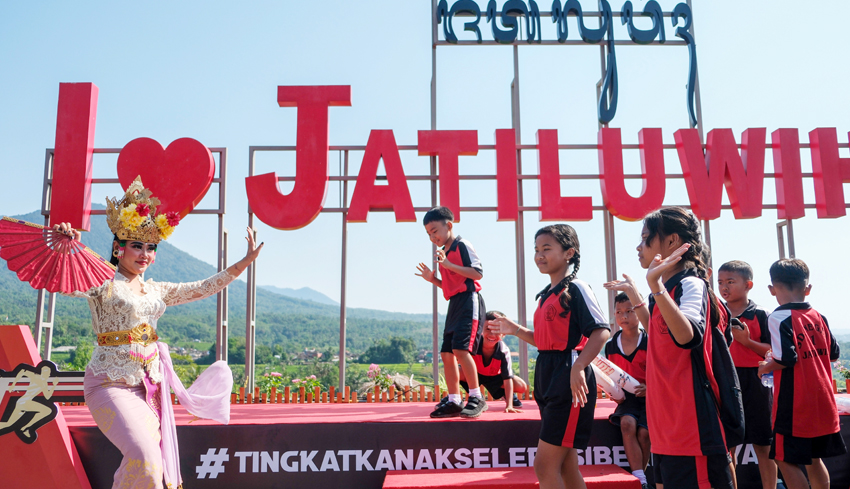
360, 454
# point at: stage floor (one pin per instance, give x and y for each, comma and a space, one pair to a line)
407, 412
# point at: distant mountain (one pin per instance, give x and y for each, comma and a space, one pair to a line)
290, 322
304, 293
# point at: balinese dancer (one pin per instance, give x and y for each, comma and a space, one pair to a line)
129, 379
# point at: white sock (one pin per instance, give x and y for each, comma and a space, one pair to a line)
455, 398
640, 475
475, 392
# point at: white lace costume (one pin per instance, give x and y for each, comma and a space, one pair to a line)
114, 307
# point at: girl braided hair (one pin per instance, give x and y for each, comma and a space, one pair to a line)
680, 221
566, 236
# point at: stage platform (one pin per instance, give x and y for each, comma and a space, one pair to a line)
354, 445
595, 477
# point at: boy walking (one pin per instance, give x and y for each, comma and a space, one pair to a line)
805, 419
460, 270
749, 347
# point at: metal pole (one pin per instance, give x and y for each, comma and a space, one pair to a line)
519, 228
221, 314
435, 355
344, 205
701, 133
610, 263
698, 100
607, 218
45, 326
792, 253
780, 238
251, 300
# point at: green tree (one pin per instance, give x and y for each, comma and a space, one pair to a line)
81, 356
394, 350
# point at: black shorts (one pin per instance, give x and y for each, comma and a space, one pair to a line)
464, 323
758, 406
797, 450
632, 406
692, 472
563, 424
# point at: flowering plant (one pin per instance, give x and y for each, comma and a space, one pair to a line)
269, 380
382, 380
308, 383
844, 371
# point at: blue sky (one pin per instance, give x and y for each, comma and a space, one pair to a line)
209, 70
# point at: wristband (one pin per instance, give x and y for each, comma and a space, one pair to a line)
639, 305
657, 293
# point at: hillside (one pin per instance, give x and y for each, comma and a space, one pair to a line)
304, 293
286, 321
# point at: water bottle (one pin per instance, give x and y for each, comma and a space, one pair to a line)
767, 379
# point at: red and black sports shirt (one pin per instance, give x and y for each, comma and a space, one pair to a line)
633, 364
462, 254
499, 364
681, 412
803, 402
554, 331
756, 320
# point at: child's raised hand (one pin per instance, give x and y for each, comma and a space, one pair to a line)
621, 285
502, 325
425, 272
659, 265
512, 410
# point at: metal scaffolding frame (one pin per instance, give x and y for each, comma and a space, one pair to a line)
44, 319
344, 179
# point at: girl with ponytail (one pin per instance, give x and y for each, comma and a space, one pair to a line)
570, 329
688, 440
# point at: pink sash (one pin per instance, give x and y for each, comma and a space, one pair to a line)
208, 397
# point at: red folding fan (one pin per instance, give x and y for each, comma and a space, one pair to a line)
50, 259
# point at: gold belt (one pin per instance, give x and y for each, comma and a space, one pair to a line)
143, 334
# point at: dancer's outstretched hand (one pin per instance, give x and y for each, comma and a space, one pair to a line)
66, 228
253, 250
659, 265
251, 255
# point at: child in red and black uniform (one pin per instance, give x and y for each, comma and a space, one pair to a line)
493, 363
567, 311
627, 350
688, 441
805, 418
460, 271
751, 343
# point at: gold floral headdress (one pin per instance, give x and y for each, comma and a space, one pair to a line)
134, 217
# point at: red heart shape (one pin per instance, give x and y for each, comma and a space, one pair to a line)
179, 175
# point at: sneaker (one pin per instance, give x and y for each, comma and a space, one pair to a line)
474, 408
447, 410
442, 401
517, 402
